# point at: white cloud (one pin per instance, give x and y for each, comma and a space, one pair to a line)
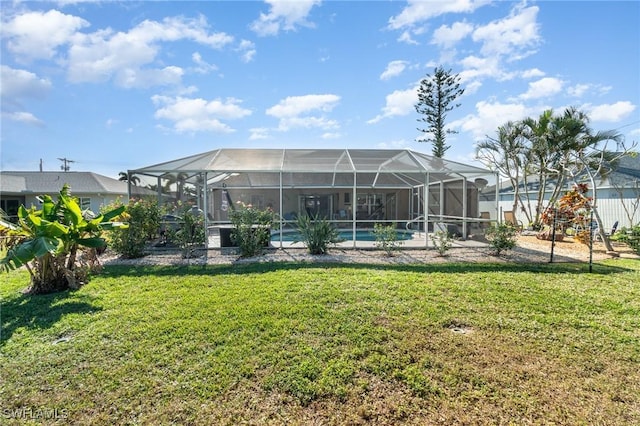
37, 35
398, 103
20, 84
288, 123
394, 69
331, 135
396, 144
472, 87
418, 11
405, 37
513, 36
448, 36
202, 66
126, 56
578, 90
284, 15
610, 112
532, 73
489, 116
248, 51
294, 106
258, 133
543, 88
143, 78
476, 67
197, 115
24, 117
305, 112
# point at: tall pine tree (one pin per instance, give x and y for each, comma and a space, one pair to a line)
436, 96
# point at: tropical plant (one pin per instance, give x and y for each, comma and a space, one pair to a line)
436, 95
191, 232
501, 237
507, 154
386, 238
317, 233
49, 242
572, 210
629, 236
442, 241
129, 177
251, 228
551, 149
143, 217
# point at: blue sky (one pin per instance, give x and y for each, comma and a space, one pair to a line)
122, 85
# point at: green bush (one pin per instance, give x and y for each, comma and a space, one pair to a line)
386, 238
317, 233
501, 237
251, 229
191, 233
629, 236
143, 217
442, 241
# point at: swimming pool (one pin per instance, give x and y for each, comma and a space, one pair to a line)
345, 234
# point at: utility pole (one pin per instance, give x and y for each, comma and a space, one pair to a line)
65, 164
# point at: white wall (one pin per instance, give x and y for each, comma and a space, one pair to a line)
610, 210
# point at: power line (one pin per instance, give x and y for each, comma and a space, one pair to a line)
627, 125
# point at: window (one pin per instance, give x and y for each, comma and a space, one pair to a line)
10, 207
85, 203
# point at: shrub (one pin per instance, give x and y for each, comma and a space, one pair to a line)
252, 229
501, 237
629, 236
573, 208
442, 241
191, 233
386, 238
143, 217
317, 233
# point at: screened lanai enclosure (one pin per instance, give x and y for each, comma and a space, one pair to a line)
352, 188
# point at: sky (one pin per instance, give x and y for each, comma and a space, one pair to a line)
119, 85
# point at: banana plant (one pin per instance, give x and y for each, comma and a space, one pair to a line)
47, 240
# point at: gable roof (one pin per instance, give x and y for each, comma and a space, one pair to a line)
51, 183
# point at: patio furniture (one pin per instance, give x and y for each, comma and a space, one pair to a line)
510, 218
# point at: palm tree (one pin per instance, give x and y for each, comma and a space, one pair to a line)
508, 154
126, 177
178, 180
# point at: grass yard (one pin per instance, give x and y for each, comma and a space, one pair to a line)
327, 344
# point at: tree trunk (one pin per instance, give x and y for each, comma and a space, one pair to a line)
601, 232
50, 276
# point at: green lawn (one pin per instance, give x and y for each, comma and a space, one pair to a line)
327, 344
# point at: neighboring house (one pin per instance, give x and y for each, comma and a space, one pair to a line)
92, 190
618, 195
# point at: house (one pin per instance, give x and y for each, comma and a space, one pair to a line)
92, 190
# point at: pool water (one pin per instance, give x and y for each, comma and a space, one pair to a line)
347, 235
